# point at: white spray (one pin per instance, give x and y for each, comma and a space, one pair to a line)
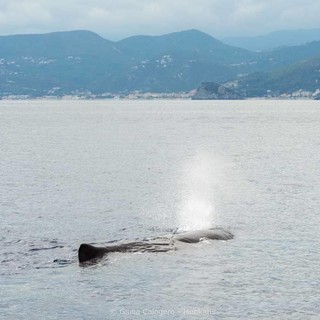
201, 178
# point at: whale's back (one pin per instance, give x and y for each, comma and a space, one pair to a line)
196, 236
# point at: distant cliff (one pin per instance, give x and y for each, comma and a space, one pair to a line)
215, 91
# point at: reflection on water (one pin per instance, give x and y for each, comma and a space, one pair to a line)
102, 171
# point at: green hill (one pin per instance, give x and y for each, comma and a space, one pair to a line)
303, 75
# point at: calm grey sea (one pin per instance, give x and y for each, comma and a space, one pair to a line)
98, 171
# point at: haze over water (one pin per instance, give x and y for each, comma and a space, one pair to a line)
98, 171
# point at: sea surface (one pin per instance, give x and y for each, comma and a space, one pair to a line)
104, 171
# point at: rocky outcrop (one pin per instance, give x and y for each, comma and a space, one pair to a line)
215, 91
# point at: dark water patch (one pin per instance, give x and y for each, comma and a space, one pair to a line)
62, 262
50, 248
21, 255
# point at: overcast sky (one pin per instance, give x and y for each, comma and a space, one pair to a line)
117, 19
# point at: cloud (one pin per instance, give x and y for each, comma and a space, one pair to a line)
122, 18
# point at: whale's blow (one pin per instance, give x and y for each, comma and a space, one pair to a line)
201, 177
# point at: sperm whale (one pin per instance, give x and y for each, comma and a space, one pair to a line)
88, 252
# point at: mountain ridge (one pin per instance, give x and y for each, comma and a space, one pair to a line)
275, 39
81, 62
